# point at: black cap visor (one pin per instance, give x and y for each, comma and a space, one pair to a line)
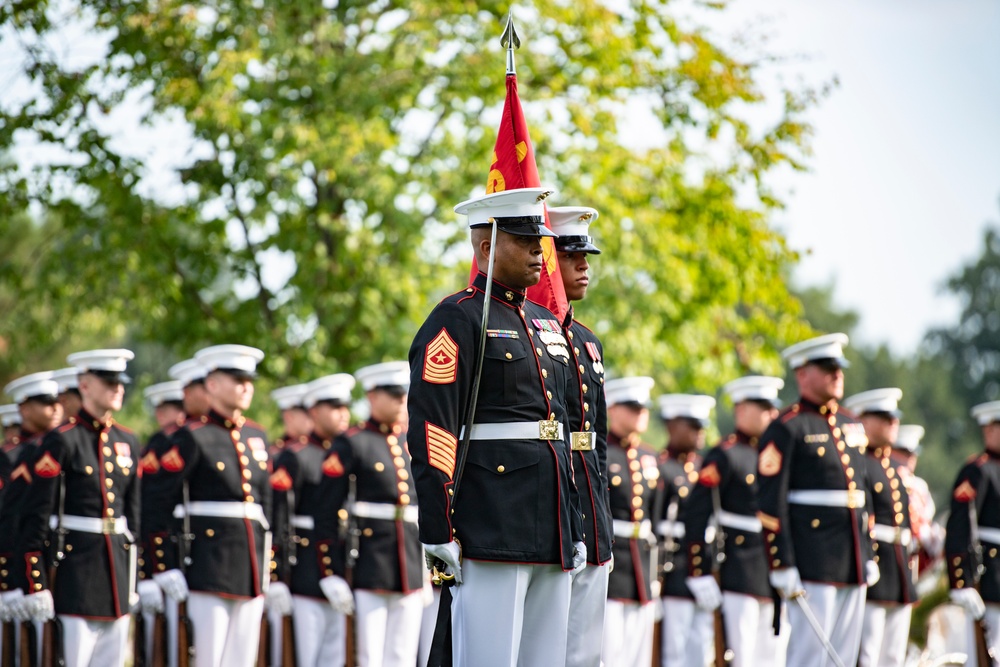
44, 399
830, 364
577, 244
238, 374
524, 225
396, 390
111, 377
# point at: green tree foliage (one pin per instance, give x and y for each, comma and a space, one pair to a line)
329, 142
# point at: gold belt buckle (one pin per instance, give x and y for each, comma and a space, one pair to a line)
582, 441
399, 512
636, 529
548, 429
108, 525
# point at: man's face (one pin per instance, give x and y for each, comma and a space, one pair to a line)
167, 413
820, 382
518, 260
686, 434
753, 418
40, 417
991, 437
881, 429
574, 266
229, 394
71, 403
100, 395
196, 399
330, 420
627, 418
387, 407
297, 422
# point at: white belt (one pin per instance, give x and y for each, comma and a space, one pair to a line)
674, 529
386, 511
892, 534
748, 524
634, 530
303, 522
538, 430
988, 534
224, 510
827, 498
89, 524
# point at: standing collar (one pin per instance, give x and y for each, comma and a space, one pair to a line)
512, 296
816, 407
91, 422
225, 422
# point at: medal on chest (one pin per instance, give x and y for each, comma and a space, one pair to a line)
550, 334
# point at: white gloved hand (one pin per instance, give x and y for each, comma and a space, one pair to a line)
787, 582
339, 593
449, 553
654, 589
657, 609
611, 564
970, 600
8, 604
38, 606
173, 584
872, 574
579, 556
278, 598
150, 596
705, 589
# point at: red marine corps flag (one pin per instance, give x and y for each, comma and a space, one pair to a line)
514, 167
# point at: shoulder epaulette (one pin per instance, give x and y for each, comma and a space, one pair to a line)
728, 442
584, 326
459, 295
789, 413
844, 412
195, 424
68, 426
354, 430
126, 429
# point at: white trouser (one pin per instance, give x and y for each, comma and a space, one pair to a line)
687, 633
885, 635
992, 622
388, 627
840, 611
274, 630
586, 616
510, 615
226, 631
96, 643
628, 633
749, 630
427, 624
320, 633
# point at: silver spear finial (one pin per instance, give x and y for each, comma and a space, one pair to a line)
510, 41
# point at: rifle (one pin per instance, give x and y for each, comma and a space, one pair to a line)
185, 630
52, 639
291, 541
7, 658
159, 657
984, 656
723, 654
139, 640
669, 544
352, 534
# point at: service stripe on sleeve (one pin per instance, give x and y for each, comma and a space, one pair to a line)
441, 447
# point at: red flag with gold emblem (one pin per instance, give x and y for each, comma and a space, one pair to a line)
514, 167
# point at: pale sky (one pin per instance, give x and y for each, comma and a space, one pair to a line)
906, 170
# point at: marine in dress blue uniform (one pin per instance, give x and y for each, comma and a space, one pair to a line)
166, 399
634, 483
517, 516
972, 534
80, 513
687, 629
588, 419
811, 476
725, 497
216, 472
889, 602
37, 412
389, 574
302, 560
